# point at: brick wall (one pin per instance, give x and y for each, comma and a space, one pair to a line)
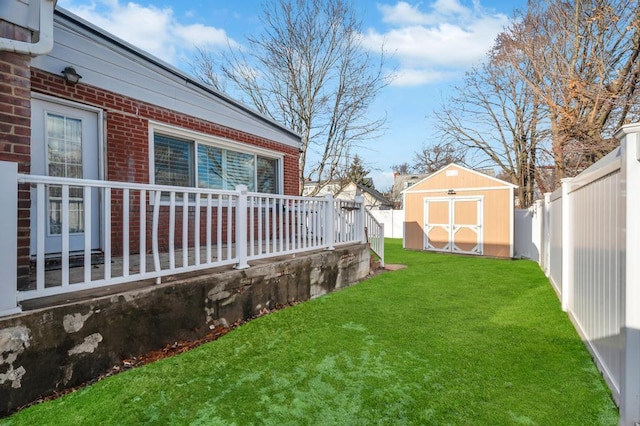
127, 129
127, 148
15, 130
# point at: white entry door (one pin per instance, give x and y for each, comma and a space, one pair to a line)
453, 224
64, 143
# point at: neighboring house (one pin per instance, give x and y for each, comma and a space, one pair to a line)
92, 106
402, 182
373, 199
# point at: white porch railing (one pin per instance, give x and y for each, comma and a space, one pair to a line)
374, 231
147, 231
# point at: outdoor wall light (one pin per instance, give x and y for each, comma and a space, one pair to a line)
70, 75
451, 192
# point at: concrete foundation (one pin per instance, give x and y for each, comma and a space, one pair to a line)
55, 347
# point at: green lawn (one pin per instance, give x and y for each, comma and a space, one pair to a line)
449, 340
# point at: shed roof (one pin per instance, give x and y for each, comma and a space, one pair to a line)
490, 180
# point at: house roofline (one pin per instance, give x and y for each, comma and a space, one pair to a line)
374, 193
146, 56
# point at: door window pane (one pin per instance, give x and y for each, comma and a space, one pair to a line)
64, 159
64, 146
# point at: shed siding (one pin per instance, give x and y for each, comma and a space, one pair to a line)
464, 179
497, 207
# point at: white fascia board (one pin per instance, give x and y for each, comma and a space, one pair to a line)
447, 167
109, 63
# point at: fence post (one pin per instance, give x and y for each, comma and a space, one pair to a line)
546, 232
629, 137
9, 238
329, 222
537, 229
360, 222
241, 227
567, 245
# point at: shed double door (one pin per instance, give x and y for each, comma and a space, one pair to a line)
453, 224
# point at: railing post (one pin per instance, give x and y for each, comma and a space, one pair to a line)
567, 245
360, 223
329, 222
381, 248
9, 238
241, 227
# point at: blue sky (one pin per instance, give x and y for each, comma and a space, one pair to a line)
432, 43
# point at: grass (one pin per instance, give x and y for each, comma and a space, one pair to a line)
449, 340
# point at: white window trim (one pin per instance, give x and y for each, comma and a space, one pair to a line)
206, 139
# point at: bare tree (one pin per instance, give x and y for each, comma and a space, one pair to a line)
495, 116
402, 168
309, 71
204, 68
432, 158
583, 61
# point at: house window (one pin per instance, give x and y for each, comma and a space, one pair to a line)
202, 163
173, 161
210, 167
267, 171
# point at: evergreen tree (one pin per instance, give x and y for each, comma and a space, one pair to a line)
357, 172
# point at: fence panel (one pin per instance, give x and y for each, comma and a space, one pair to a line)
585, 253
595, 302
523, 234
393, 221
555, 241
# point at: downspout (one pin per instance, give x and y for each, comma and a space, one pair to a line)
45, 39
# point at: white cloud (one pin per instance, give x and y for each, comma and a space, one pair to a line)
153, 29
434, 40
418, 77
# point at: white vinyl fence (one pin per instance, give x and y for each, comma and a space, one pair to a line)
586, 238
393, 221
149, 231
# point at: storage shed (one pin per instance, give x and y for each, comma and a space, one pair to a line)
459, 210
